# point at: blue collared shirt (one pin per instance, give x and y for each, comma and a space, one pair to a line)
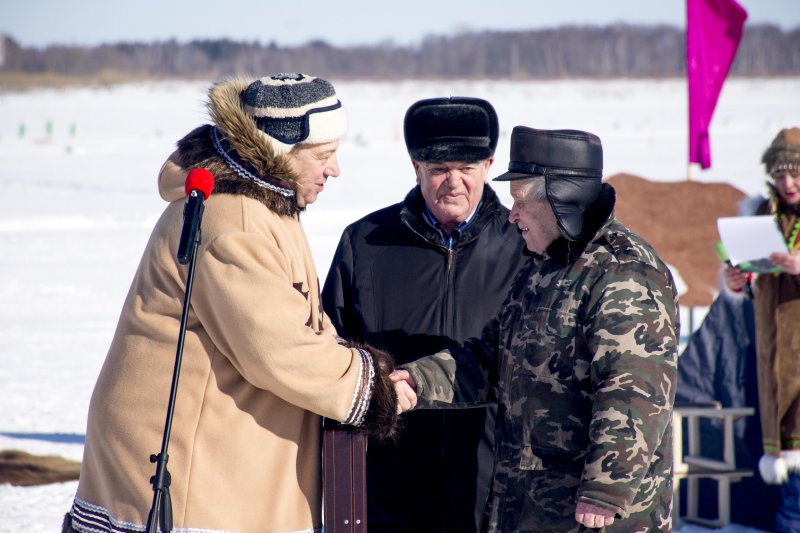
451, 240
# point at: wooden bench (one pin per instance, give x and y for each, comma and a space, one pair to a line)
693, 466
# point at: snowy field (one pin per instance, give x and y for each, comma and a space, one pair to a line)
78, 199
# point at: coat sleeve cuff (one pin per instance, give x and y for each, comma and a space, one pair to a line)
374, 406
619, 512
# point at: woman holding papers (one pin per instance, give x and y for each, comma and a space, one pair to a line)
777, 310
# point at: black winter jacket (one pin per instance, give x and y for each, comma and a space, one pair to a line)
394, 285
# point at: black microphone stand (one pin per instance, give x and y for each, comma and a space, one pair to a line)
161, 511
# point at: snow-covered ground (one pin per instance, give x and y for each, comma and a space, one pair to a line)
78, 199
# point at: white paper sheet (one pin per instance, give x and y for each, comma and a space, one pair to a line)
750, 238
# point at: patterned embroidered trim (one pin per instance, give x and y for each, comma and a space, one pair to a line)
348, 419
367, 391
783, 166
243, 172
363, 393
90, 518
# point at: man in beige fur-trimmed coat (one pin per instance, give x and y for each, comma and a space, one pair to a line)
262, 363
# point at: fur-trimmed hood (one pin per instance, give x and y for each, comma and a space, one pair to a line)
236, 152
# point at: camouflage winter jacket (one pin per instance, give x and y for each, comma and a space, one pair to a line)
582, 360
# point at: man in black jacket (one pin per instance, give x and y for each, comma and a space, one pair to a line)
418, 277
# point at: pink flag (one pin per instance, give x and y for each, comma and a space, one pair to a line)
713, 31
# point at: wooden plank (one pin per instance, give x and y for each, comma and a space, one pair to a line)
344, 475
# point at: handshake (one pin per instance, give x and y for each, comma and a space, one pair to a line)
405, 388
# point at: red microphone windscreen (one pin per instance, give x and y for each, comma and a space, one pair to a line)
200, 179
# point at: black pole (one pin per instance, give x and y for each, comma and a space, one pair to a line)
161, 511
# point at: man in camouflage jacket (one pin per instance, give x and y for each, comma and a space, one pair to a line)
581, 358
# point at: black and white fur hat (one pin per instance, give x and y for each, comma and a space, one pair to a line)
294, 108
457, 128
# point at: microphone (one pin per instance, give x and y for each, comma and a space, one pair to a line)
198, 187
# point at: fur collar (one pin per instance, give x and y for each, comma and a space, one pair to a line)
237, 153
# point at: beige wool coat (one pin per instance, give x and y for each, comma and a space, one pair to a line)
261, 362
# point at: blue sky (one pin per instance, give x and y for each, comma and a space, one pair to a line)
344, 22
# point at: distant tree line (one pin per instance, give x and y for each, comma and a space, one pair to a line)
565, 52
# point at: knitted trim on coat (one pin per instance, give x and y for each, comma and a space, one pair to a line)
381, 420
363, 392
198, 150
243, 168
89, 518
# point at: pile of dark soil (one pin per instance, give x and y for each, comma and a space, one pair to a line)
680, 220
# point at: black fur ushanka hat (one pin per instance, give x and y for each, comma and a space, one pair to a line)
451, 129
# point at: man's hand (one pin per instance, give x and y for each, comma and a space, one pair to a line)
593, 516
789, 262
404, 387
